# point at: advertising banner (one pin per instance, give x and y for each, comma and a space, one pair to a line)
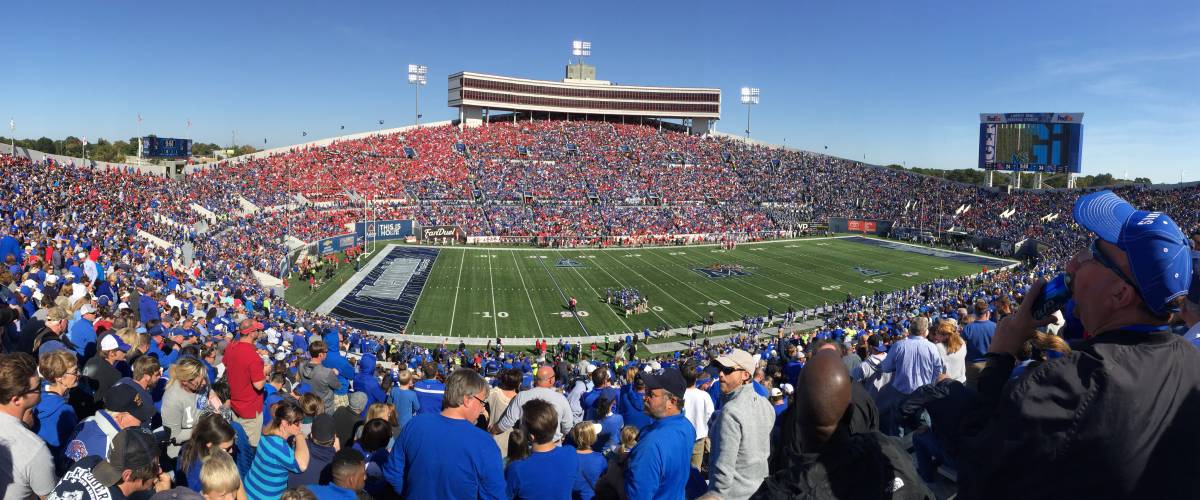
451, 233
384, 229
338, 243
855, 226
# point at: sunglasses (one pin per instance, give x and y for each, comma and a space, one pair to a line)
728, 370
1094, 253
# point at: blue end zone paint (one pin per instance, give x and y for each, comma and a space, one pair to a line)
384, 300
717, 271
981, 260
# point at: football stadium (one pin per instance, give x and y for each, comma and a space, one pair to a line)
552, 284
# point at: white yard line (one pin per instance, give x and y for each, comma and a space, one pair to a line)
492, 288
527, 296
597, 291
457, 287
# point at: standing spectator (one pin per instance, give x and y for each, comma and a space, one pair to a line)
839, 463
978, 336
51, 335
430, 390
915, 361
609, 436
542, 469
129, 467
56, 418
544, 390
186, 393
246, 374
660, 464
951, 346
347, 418
366, 383
868, 373
26, 468
741, 432
497, 402
404, 398
274, 459
592, 464
698, 408
1113, 418
219, 477
323, 381
101, 372
444, 455
82, 333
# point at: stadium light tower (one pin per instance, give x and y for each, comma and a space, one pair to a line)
581, 49
417, 74
749, 98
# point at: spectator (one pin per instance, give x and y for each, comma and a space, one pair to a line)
1101, 421
348, 474
950, 345
543, 469
915, 362
129, 467
1190, 313
210, 434
346, 419
82, 333
26, 467
741, 432
274, 459
445, 455
219, 477
497, 402
698, 408
186, 393
100, 371
631, 401
246, 373
123, 408
366, 383
322, 446
404, 398
868, 373
660, 464
430, 390
52, 334
837, 462
978, 336
543, 390
592, 465
56, 418
322, 380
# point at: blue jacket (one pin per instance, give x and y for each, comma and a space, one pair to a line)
148, 309
661, 463
336, 361
365, 382
92, 437
83, 334
56, 420
631, 406
429, 396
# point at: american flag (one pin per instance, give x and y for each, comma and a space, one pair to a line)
139, 118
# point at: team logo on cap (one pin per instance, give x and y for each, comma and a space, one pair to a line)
1149, 218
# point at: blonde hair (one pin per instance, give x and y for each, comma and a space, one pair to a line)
312, 405
219, 474
132, 337
629, 436
584, 435
404, 378
187, 368
53, 365
382, 411
954, 341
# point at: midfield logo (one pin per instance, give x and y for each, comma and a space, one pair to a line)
866, 271
717, 271
567, 263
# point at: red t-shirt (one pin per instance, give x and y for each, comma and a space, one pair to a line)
243, 368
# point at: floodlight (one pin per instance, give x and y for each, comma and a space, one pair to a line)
581, 48
417, 74
750, 95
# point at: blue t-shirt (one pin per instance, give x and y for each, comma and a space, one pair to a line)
331, 492
272, 463
549, 474
591, 467
445, 458
978, 337
429, 394
406, 404
610, 433
660, 464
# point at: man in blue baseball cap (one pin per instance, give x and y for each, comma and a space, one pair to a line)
1190, 314
1115, 417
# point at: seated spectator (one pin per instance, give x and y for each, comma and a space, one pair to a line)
219, 477
123, 408
274, 458
211, 433
541, 469
131, 466
833, 465
26, 467
347, 418
101, 372
445, 455
180, 411
348, 477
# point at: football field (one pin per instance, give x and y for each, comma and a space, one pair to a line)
523, 292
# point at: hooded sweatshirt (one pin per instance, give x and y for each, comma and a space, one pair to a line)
365, 382
56, 421
336, 361
324, 381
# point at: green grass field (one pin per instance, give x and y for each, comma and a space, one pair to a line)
519, 292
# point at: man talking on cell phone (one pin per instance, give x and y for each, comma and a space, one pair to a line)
1116, 417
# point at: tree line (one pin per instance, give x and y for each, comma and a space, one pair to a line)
115, 152
979, 177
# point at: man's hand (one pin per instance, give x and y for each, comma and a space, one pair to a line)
163, 482
1016, 328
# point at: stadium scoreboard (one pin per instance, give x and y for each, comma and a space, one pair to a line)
1031, 142
165, 147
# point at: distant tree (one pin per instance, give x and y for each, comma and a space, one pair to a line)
43, 144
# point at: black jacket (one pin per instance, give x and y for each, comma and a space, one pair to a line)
864, 466
1116, 418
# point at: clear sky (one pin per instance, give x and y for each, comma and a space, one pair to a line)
895, 81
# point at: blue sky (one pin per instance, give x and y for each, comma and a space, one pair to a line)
895, 81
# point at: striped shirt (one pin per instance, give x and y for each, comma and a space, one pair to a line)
272, 463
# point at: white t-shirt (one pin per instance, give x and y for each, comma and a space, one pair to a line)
956, 363
26, 469
698, 408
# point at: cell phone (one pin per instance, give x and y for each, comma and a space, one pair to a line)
1054, 296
